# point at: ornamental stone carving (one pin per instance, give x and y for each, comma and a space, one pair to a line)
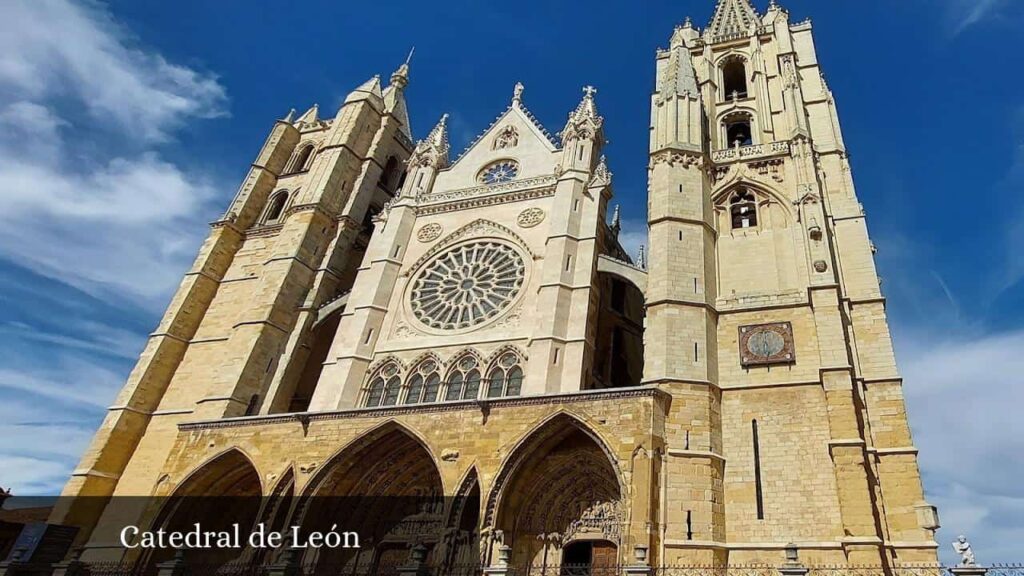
530, 217
429, 232
767, 344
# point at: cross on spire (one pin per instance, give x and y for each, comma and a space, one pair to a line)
589, 91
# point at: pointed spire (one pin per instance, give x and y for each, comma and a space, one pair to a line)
616, 221
400, 78
584, 121
370, 88
433, 150
311, 116
641, 259
602, 175
732, 19
290, 117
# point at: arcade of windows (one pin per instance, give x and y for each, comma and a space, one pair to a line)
463, 380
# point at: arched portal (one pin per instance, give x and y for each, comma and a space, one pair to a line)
219, 494
386, 488
560, 487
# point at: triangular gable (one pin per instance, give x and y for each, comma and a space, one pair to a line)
523, 139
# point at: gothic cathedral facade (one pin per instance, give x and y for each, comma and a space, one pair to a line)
374, 316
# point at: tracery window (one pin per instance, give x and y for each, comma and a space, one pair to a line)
384, 386
743, 209
498, 172
301, 159
276, 207
464, 380
424, 383
467, 285
506, 377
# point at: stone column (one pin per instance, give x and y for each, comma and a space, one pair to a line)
501, 568
641, 566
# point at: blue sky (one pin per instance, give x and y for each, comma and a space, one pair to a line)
125, 128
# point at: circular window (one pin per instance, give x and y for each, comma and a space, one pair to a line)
503, 171
467, 285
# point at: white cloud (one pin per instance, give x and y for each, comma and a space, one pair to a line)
88, 200
633, 236
965, 13
964, 397
51, 48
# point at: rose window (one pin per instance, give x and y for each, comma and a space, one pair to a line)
503, 171
468, 285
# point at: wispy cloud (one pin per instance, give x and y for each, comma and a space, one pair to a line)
91, 207
962, 14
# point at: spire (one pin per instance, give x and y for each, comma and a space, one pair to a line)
433, 150
641, 259
732, 19
616, 222
290, 117
584, 121
370, 88
400, 78
311, 116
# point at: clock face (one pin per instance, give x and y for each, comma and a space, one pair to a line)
499, 172
767, 344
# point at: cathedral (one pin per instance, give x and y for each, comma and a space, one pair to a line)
376, 316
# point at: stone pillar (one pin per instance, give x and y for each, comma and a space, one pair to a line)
501, 568
640, 566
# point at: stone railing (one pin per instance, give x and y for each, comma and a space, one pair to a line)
750, 152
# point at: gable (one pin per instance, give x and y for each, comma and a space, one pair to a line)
516, 136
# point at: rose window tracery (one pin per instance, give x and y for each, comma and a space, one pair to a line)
499, 172
467, 285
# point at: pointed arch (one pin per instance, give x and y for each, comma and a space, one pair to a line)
463, 522
225, 489
383, 385
550, 428
423, 383
561, 478
387, 486
463, 376
764, 195
301, 159
277, 204
505, 372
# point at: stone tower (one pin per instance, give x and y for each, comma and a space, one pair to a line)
765, 320
235, 338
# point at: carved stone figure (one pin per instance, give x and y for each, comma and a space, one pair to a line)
963, 548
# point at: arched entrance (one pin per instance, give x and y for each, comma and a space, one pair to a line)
386, 488
219, 494
559, 500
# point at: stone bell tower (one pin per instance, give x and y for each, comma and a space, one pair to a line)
765, 320
239, 338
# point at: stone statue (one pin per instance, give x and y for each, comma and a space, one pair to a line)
963, 548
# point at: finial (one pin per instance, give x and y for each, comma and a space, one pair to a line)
589, 91
408, 58
290, 117
641, 259
517, 93
688, 24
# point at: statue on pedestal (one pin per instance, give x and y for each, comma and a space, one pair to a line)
963, 548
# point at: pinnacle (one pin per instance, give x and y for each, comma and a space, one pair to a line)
733, 18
